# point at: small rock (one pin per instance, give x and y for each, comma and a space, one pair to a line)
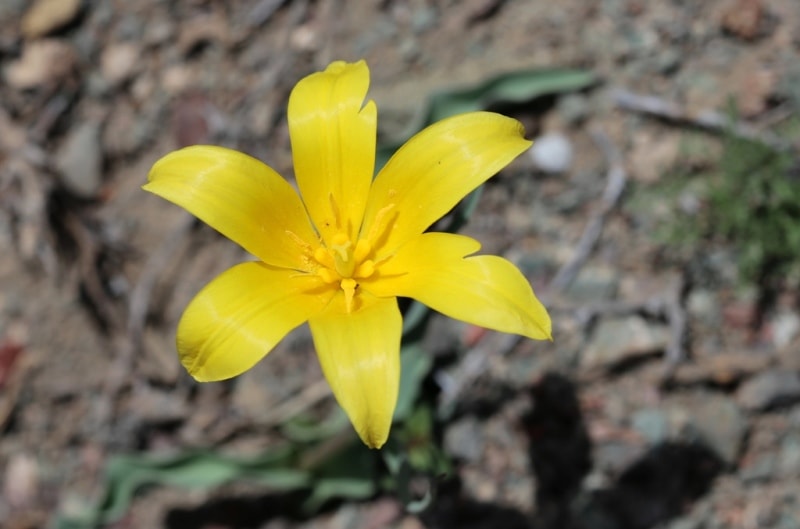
702, 305
21, 481
574, 108
687, 522
668, 61
788, 520
613, 457
789, 457
652, 423
118, 62
464, 439
743, 18
785, 328
156, 406
124, 132
46, 16
552, 153
13, 135
79, 161
760, 469
423, 19
212, 29
158, 32
719, 423
594, 284
617, 340
12, 10
769, 389
42, 62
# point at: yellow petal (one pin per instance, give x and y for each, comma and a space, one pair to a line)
238, 196
333, 145
240, 316
484, 290
435, 169
360, 356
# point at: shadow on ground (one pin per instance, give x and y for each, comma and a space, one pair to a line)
659, 486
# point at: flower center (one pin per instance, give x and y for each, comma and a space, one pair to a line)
345, 263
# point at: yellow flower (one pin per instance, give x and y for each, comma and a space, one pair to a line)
338, 255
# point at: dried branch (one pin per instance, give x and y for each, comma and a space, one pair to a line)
615, 184
704, 119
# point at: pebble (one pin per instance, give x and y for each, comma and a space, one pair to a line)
719, 423
46, 16
789, 456
761, 469
614, 457
769, 389
552, 153
703, 306
785, 328
686, 523
79, 161
42, 62
668, 61
21, 483
156, 405
652, 424
464, 440
423, 19
574, 108
124, 133
618, 340
118, 62
593, 283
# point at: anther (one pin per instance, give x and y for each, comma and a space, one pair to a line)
380, 224
327, 275
365, 269
324, 257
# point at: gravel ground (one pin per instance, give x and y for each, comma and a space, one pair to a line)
668, 399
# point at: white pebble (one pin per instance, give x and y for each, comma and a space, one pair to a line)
552, 153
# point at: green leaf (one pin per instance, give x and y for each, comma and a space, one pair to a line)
349, 474
304, 429
514, 87
415, 364
125, 475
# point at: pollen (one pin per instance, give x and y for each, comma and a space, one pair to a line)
342, 263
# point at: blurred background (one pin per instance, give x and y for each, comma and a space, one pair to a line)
657, 216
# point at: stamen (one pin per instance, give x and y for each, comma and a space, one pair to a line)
380, 224
327, 275
337, 217
363, 249
298, 241
324, 257
349, 287
365, 269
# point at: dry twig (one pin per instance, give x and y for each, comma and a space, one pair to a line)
704, 119
615, 184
